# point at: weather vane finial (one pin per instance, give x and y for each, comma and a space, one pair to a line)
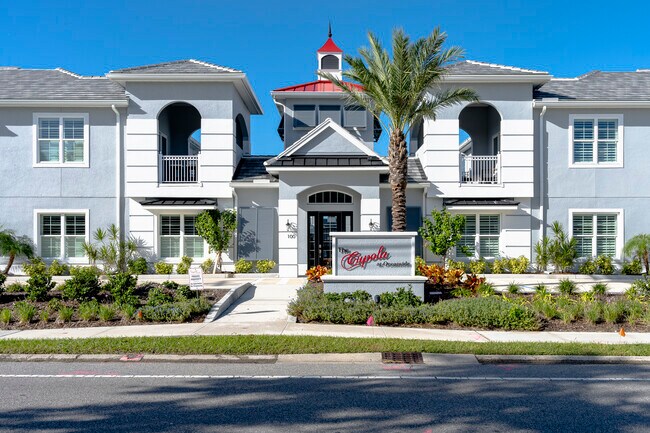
329, 29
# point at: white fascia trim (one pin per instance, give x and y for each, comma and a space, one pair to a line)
408, 185
620, 225
36, 231
619, 145
291, 94
533, 79
482, 208
63, 103
591, 104
276, 170
327, 123
254, 185
35, 153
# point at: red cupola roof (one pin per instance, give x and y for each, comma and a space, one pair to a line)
319, 86
329, 47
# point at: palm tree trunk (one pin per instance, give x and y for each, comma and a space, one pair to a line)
12, 257
397, 169
645, 262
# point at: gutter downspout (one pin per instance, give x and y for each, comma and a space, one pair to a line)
118, 170
542, 164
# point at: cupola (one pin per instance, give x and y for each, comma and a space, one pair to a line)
330, 56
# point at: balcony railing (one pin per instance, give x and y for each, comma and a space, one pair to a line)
179, 169
481, 170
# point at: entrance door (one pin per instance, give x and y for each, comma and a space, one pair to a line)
319, 243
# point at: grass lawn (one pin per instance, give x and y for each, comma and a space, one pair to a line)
276, 344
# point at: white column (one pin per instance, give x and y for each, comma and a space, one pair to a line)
288, 238
370, 212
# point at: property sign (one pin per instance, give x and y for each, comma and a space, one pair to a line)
373, 254
196, 278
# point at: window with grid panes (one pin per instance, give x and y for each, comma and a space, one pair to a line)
596, 234
468, 239
178, 234
62, 235
595, 141
61, 140
488, 235
193, 243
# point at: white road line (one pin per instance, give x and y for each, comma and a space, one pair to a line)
330, 377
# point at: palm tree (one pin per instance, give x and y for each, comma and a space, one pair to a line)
406, 89
13, 246
639, 246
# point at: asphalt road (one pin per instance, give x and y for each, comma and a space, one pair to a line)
287, 398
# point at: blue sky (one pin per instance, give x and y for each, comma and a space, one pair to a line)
275, 42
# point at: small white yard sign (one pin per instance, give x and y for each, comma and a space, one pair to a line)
196, 278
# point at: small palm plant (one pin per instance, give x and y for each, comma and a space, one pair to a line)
639, 246
13, 246
406, 89
114, 252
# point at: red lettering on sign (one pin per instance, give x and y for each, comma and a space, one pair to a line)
356, 260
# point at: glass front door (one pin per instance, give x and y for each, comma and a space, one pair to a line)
321, 224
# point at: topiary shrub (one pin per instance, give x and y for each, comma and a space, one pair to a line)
138, 266
122, 288
243, 266
604, 264
264, 266
184, 266
40, 280
163, 268
83, 285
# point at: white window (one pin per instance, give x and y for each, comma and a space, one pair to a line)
481, 238
61, 234
597, 232
596, 141
178, 233
60, 140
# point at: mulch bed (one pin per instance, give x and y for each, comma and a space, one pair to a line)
8, 299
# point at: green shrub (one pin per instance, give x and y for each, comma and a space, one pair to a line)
599, 289
513, 288
3, 278
487, 313
5, 316
264, 266
65, 314
158, 296
243, 266
403, 297
83, 285
176, 311
485, 289
632, 268
106, 313
89, 310
614, 312
58, 269
462, 292
169, 285
635, 311
163, 268
122, 287
183, 293
138, 266
572, 312
546, 308
419, 261
567, 287
452, 264
207, 266
45, 316
184, 266
594, 312
500, 266
479, 266
642, 285
15, 287
588, 268
25, 311
604, 264
40, 280
54, 304
518, 265
356, 296
128, 311
632, 293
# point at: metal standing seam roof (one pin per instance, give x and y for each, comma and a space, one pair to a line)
329, 47
190, 66
318, 86
252, 168
479, 202
328, 161
415, 173
56, 85
179, 202
599, 86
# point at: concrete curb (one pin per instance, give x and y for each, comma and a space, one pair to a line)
223, 359
225, 302
561, 359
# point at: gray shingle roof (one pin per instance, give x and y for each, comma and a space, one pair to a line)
328, 161
599, 86
190, 66
252, 168
55, 85
472, 67
415, 173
